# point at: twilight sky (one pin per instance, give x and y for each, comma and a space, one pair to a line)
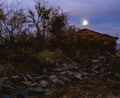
103, 15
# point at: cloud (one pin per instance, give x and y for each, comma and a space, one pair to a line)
85, 8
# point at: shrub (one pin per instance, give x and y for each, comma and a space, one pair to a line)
6, 70
47, 57
118, 53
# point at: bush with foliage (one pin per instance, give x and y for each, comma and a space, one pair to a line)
47, 57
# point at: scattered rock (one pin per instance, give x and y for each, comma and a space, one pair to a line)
28, 83
44, 72
64, 78
41, 83
95, 61
22, 77
29, 77
78, 76
38, 89
2, 95
44, 83
22, 94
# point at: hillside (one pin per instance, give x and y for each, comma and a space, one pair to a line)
89, 41
42, 56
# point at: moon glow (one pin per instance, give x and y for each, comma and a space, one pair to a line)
85, 22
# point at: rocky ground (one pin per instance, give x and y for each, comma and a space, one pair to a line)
65, 81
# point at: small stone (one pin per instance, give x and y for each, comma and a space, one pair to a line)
78, 76
29, 77
27, 82
44, 83
95, 61
22, 77
22, 94
47, 92
2, 95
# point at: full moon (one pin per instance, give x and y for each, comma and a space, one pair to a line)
85, 23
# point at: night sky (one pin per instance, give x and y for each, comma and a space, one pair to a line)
103, 15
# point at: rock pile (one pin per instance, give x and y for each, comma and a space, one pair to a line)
24, 84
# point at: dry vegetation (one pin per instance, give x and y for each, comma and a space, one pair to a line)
41, 38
